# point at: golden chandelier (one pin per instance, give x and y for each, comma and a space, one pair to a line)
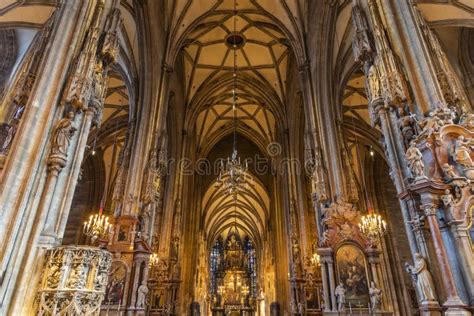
97, 227
233, 176
372, 226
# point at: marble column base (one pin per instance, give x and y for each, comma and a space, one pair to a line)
430, 308
453, 311
455, 307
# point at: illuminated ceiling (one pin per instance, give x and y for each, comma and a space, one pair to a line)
206, 31
250, 214
266, 34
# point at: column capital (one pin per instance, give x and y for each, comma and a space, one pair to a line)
430, 209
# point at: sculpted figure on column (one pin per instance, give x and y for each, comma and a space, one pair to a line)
340, 293
462, 151
375, 297
414, 158
424, 281
141, 296
406, 124
62, 135
373, 82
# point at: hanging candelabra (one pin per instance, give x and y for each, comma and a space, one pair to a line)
153, 260
245, 289
233, 174
97, 228
373, 227
316, 260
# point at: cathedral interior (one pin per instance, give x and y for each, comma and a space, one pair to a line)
236, 157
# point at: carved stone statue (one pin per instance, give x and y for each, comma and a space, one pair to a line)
300, 308
431, 124
462, 152
406, 124
447, 198
141, 296
340, 293
375, 297
62, 135
415, 160
417, 222
422, 277
373, 83
296, 251
449, 171
10, 133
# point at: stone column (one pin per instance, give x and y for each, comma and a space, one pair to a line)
24, 175
146, 140
453, 302
328, 275
408, 42
332, 283
398, 169
461, 237
328, 137
56, 162
324, 254
375, 268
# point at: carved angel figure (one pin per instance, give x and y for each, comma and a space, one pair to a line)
447, 198
415, 160
449, 171
462, 152
62, 135
431, 124
422, 277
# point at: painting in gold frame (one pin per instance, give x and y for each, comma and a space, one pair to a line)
352, 272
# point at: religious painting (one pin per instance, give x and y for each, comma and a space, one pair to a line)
123, 233
116, 284
158, 301
352, 273
312, 298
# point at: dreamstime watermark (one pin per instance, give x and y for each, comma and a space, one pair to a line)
274, 149
259, 165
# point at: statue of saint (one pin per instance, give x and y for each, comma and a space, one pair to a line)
141, 296
373, 83
424, 281
415, 160
462, 152
62, 135
406, 124
375, 297
340, 293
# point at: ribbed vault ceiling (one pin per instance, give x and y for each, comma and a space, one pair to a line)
269, 31
266, 27
249, 214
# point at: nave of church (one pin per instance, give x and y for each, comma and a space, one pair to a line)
236, 157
